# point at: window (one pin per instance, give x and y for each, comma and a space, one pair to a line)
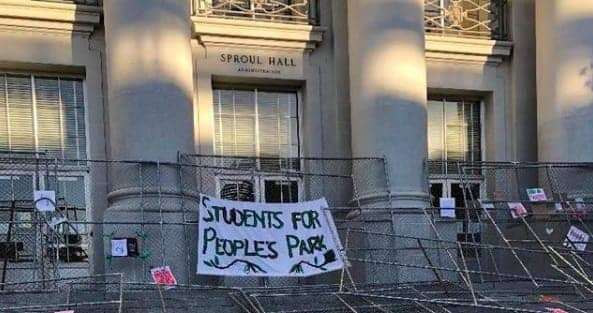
16, 206
254, 123
260, 188
454, 132
40, 114
257, 130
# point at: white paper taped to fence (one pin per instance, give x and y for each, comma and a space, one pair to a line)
45, 200
266, 239
576, 238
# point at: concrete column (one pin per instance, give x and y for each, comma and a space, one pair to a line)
388, 96
565, 80
388, 117
150, 95
149, 72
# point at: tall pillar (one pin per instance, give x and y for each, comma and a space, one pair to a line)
150, 95
389, 119
388, 94
149, 72
565, 80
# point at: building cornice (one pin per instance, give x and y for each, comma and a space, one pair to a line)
467, 49
48, 16
220, 31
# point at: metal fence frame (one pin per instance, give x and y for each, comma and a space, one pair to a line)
516, 267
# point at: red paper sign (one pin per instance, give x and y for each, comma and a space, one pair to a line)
163, 276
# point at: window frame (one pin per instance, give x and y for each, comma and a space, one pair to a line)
259, 184
33, 75
297, 91
465, 98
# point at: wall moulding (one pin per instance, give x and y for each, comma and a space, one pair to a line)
467, 49
228, 32
48, 16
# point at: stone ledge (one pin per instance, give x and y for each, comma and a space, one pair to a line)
467, 49
49, 16
221, 31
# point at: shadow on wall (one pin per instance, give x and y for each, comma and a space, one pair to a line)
388, 75
149, 67
566, 114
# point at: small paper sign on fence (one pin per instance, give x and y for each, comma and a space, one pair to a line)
517, 209
536, 194
45, 200
576, 239
163, 276
447, 207
266, 239
119, 247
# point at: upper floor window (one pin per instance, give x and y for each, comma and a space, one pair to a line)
257, 131
287, 11
466, 18
454, 132
42, 114
257, 123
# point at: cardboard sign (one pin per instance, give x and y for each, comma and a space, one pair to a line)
517, 209
536, 194
266, 239
447, 207
45, 200
163, 276
576, 239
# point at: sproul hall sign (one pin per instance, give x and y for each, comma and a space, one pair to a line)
253, 63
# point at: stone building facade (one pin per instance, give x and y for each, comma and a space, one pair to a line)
409, 81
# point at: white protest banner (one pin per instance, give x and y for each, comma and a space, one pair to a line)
45, 200
536, 194
576, 239
266, 239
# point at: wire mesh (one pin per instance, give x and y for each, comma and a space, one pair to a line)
101, 293
414, 260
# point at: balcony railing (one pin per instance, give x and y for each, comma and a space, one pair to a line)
284, 11
466, 18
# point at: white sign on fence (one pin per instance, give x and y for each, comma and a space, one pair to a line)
536, 194
447, 207
576, 239
266, 239
45, 200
